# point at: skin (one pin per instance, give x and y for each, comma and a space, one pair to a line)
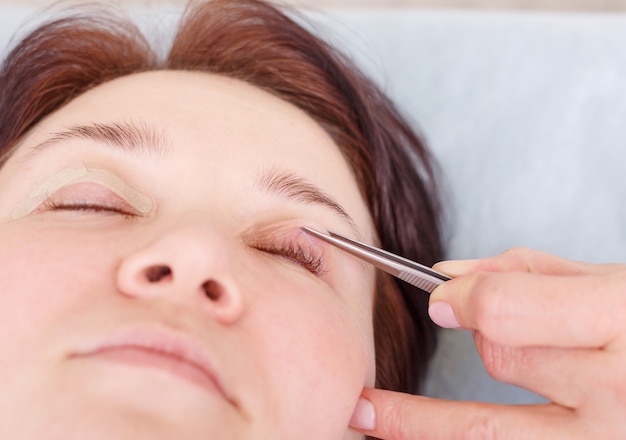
547, 324
290, 350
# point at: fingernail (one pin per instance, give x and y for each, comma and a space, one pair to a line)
455, 268
364, 416
442, 314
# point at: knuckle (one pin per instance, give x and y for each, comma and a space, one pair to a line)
532, 261
521, 256
488, 304
504, 363
481, 427
519, 252
398, 421
497, 360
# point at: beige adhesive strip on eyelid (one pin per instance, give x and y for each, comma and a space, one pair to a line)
81, 173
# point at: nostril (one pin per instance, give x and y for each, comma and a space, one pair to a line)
156, 273
212, 289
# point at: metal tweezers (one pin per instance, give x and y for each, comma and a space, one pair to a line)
418, 275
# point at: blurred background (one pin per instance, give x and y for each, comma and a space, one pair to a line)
557, 5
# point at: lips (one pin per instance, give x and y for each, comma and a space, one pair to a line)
162, 349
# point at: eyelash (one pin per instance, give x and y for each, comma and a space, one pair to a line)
307, 258
52, 205
310, 262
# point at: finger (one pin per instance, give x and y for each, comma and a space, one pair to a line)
569, 377
522, 309
524, 260
402, 417
590, 382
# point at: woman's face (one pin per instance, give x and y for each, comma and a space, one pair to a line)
155, 280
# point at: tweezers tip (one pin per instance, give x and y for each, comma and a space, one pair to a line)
312, 231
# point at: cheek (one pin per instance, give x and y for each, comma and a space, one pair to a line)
44, 275
316, 353
49, 277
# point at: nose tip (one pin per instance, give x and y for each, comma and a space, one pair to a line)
187, 267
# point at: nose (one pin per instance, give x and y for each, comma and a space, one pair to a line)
190, 264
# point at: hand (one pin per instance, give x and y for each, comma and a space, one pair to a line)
552, 326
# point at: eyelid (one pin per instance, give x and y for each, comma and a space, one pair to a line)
278, 231
286, 238
80, 173
87, 196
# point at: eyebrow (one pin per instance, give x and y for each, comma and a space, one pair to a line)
292, 187
132, 137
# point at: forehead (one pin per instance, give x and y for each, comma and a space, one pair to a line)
196, 101
216, 123
218, 109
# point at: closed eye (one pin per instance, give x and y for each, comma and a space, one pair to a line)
87, 197
305, 258
51, 205
291, 244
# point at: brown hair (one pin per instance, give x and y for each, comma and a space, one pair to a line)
254, 42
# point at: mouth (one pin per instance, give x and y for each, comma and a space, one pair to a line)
163, 350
